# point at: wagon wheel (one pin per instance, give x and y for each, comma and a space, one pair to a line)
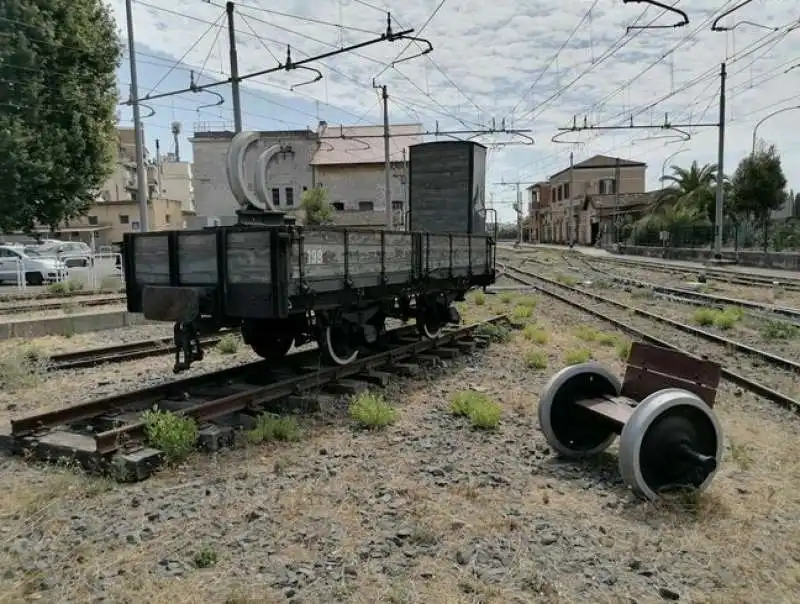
273, 349
429, 320
337, 342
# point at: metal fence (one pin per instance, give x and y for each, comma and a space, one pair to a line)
781, 236
102, 272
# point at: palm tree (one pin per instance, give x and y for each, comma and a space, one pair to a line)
691, 191
688, 200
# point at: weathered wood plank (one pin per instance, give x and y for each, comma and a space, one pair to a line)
197, 258
151, 259
248, 257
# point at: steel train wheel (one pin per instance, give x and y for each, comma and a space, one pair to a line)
273, 350
337, 345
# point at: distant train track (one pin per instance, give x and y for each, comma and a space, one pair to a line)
118, 353
786, 283
109, 434
729, 348
700, 298
64, 302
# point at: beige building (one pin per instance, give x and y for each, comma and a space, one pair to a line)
290, 172
350, 166
175, 182
568, 205
347, 161
116, 210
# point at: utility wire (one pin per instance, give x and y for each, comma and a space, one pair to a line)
554, 57
407, 46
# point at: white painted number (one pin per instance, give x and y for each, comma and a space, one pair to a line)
314, 255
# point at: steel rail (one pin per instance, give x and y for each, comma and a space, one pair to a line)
721, 275
686, 293
736, 378
119, 353
25, 297
35, 307
111, 440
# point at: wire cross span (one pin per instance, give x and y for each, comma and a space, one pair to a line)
457, 134
290, 65
667, 125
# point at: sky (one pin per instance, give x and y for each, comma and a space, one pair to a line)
536, 66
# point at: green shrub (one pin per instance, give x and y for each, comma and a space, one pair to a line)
705, 316
521, 314
174, 435
535, 334
624, 349
579, 355
536, 359
483, 412
371, 411
271, 427
229, 344
494, 333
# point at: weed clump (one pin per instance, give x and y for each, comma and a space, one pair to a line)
371, 411
271, 427
483, 412
70, 286
536, 359
721, 319
623, 348
521, 313
229, 344
577, 356
22, 369
535, 334
175, 435
497, 334
779, 330
479, 298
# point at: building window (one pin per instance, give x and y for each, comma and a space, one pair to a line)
366, 206
397, 205
338, 206
305, 189
289, 196
566, 191
608, 186
124, 219
92, 220
167, 218
276, 197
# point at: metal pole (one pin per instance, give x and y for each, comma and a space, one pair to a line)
388, 163
572, 223
720, 167
519, 215
617, 178
141, 172
405, 189
237, 102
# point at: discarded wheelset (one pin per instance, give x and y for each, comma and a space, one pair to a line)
669, 435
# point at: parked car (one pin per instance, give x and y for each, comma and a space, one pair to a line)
37, 269
74, 254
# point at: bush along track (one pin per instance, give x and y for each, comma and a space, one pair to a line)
129, 435
737, 359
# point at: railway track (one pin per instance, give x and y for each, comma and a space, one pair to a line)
109, 434
693, 297
786, 283
36, 306
119, 353
730, 352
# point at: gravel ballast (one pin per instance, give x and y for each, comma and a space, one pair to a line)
427, 510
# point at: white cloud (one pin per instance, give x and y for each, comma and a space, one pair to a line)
494, 51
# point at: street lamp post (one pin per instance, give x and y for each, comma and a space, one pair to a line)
764, 119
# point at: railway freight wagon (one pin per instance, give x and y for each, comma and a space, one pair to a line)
283, 284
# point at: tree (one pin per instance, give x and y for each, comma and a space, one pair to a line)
759, 187
315, 204
691, 192
58, 96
